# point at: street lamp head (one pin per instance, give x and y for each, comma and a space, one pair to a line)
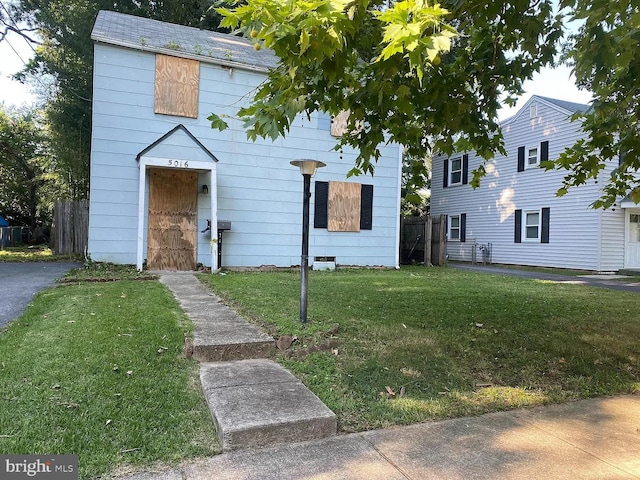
308, 167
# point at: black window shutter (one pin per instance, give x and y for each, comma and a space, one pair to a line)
465, 169
321, 206
445, 177
544, 237
463, 227
521, 159
366, 207
544, 151
517, 234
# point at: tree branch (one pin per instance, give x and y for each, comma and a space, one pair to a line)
19, 31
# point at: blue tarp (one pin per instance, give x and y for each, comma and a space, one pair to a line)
3, 222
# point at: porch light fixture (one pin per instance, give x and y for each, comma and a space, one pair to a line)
205, 189
307, 170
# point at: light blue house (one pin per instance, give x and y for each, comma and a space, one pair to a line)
160, 174
515, 215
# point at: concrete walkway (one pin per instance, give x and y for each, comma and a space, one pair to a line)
589, 439
254, 402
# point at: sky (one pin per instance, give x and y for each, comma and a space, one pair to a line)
12, 92
549, 83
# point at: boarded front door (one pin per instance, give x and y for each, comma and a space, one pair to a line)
173, 205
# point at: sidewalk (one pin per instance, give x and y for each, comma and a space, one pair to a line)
589, 439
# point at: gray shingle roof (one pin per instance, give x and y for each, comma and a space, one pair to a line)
570, 106
177, 40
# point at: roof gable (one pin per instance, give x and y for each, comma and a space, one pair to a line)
568, 108
170, 145
179, 41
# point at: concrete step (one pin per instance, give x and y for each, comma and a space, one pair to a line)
219, 333
258, 403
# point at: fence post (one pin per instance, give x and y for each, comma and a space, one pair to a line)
443, 241
428, 232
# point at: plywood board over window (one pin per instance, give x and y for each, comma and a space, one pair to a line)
339, 123
176, 86
344, 207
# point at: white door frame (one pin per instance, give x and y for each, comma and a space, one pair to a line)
627, 216
147, 162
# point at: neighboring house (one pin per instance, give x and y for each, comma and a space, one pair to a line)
159, 172
516, 209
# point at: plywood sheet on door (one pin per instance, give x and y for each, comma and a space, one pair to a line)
344, 207
173, 205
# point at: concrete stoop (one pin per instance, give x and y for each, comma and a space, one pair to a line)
258, 403
254, 401
219, 334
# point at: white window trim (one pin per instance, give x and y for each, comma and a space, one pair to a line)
450, 228
451, 171
525, 213
526, 156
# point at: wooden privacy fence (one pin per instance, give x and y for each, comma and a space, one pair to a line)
424, 240
70, 229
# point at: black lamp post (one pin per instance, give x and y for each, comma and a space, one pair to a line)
307, 169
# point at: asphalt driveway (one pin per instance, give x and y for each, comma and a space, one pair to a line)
613, 282
19, 282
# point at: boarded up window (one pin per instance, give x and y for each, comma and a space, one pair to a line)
176, 86
339, 123
344, 207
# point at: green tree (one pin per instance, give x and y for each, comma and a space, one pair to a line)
605, 54
65, 54
416, 182
26, 170
429, 77
432, 77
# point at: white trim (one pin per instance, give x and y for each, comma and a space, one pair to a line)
524, 225
398, 207
627, 222
141, 198
449, 227
528, 165
213, 193
144, 164
178, 164
451, 183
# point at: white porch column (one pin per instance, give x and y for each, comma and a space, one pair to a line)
141, 197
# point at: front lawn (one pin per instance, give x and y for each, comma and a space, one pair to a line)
421, 344
98, 370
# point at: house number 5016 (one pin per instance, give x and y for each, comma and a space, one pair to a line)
179, 163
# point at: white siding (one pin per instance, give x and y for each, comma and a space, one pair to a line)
574, 227
258, 190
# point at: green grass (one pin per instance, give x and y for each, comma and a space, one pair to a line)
33, 254
97, 369
445, 342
